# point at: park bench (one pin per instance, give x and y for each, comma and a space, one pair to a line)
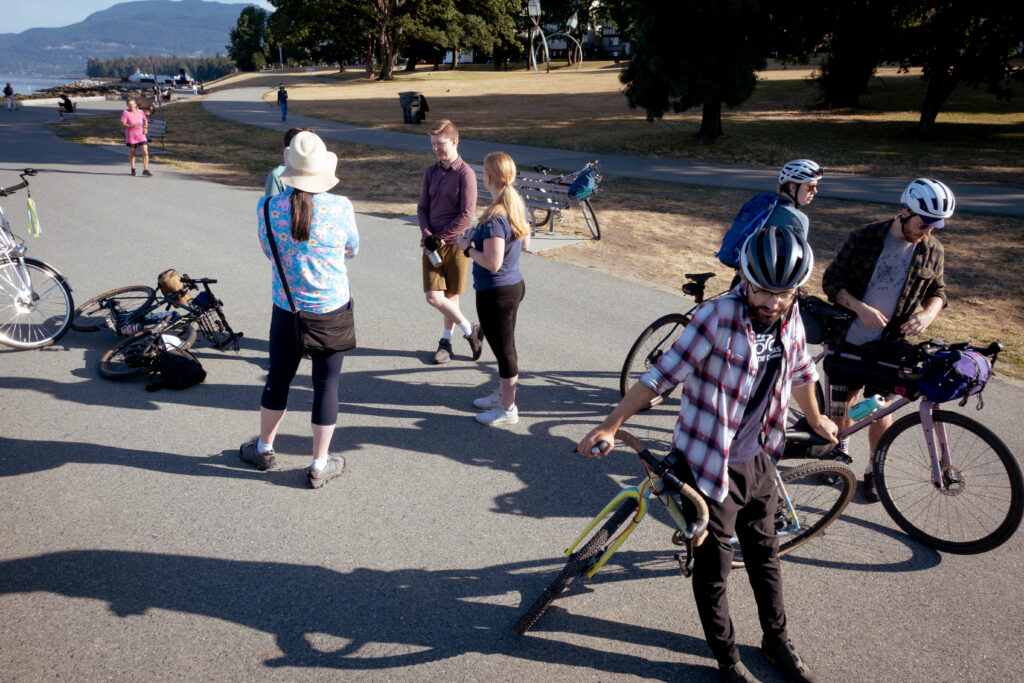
157, 130
546, 195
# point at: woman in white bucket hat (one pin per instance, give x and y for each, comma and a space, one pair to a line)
314, 232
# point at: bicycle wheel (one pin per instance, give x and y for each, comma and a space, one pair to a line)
819, 492
35, 304
129, 301
648, 348
133, 357
541, 217
982, 504
577, 564
591, 218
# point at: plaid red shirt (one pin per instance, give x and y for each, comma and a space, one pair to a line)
714, 359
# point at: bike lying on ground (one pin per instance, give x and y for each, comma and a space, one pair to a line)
811, 497
35, 299
132, 312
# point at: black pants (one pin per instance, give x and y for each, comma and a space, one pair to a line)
284, 362
497, 310
747, 513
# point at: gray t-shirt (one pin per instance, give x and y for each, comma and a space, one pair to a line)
788, 216
887, 281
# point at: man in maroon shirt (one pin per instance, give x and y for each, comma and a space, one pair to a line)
445, 211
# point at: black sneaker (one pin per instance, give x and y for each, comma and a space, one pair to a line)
869, 488
444, 351
737, 673
133, 171
251, 454
783, 655
476, 341
146, 172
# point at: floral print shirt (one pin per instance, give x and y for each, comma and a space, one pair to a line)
315, 269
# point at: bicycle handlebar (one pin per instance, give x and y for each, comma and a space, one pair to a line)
696, 529
7, 191
198, 281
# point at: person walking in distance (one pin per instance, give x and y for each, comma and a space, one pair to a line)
9, 96
136, 126
740, 359
282, 101
891, 274
495, 247
314, 233
445, 211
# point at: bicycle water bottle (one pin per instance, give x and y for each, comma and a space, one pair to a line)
866, 407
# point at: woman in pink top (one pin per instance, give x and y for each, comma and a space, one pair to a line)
137, 125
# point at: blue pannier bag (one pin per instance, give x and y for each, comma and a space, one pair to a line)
950, 375
751, 217
584, 186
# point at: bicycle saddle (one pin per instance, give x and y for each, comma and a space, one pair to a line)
699, 278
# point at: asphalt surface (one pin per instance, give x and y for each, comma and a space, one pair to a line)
137, 546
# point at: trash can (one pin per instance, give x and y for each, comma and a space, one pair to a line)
414, 106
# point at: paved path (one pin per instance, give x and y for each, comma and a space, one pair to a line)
134, 545
246, 105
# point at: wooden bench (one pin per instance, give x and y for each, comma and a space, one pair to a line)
157, 129
545, 198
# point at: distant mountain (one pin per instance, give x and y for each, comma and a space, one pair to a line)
187, 28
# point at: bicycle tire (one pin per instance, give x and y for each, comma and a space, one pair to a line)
91, 315
648, 348
819, 491
132, 357
538, 222
591, 218
986, 485
577, 564
43, 316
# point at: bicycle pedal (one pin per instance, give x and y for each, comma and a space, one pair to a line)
840, 456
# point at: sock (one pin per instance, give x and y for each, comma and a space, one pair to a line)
320, 466
263, 448
466, 328
446, 334
844, 446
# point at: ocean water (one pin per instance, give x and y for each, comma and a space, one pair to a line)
26, 85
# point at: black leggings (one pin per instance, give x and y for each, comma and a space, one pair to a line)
497, 309
284, 362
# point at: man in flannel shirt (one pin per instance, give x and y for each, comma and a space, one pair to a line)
739, 360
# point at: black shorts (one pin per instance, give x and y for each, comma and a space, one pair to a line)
135, 145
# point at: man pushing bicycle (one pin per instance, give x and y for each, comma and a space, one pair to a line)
739, 359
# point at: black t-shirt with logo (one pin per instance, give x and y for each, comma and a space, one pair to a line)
748, 440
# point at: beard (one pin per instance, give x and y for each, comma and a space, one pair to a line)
767, 315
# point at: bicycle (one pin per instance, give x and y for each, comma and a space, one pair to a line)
658, 338
535, 190
795, 523
952, 484
130, 311
35, 299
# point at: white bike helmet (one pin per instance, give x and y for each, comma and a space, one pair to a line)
776, 258
800, 171
929, 198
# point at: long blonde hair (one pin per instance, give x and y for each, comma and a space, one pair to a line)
502, 170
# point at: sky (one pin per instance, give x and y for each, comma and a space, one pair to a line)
18, 15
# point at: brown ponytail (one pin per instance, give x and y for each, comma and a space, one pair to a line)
302, 214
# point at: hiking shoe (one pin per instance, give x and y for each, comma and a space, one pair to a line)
335, 466
133, 171
783, 655
250, 454
444, 351
146, 172
487, 402
737, 673
869, 488
476, 341
499, 416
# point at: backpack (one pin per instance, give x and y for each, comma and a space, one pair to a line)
950, 375
751, 217
584, 186
175, 368
170, 282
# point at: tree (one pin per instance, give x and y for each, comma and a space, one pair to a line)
689, 53
248, 39
975, 44
322, 30
460, 25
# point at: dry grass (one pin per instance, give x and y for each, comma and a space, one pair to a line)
651, 232
977, 139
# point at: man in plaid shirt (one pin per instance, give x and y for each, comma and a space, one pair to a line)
890, 274
739, 360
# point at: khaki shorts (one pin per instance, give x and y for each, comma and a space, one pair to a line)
448, 276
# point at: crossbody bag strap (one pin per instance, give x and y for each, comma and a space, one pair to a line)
273, 249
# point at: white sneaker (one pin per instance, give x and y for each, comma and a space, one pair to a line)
499, 416
490, 401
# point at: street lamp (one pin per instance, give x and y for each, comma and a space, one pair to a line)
533, 10
572, 22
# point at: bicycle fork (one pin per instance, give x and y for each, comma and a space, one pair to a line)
943, 474
641, 512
